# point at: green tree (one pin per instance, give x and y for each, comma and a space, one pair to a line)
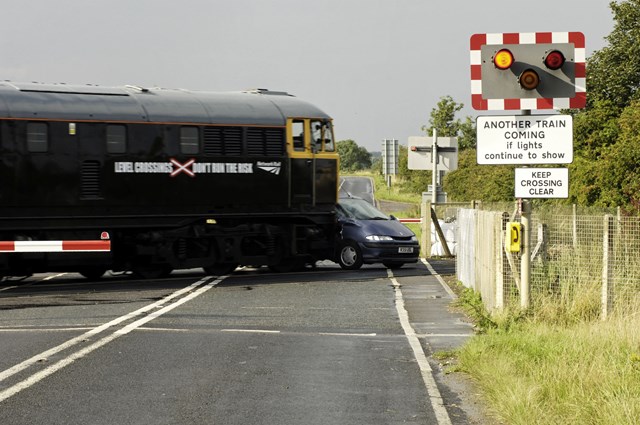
443, 118
489, 183
606, 152
613, 73
352, 156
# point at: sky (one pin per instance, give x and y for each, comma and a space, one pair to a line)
378, 67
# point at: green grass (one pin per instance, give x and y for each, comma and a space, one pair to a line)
394, 193
534, 367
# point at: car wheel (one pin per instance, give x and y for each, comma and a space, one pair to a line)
350, 256
392, 265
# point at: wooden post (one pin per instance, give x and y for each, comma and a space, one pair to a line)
425, 227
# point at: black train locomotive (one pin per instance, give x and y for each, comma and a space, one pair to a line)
150, 180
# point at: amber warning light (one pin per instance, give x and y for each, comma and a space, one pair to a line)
503, 59
529, 79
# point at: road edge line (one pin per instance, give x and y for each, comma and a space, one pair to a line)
435, 397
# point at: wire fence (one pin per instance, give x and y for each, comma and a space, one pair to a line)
582, 261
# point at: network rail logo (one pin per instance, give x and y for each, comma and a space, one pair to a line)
270, 167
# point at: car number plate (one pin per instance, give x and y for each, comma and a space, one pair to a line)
405, 250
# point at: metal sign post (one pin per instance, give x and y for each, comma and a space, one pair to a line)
444, 157
434, 164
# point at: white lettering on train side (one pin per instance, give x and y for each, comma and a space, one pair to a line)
189, 167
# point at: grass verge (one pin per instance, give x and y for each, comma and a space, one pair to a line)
531, 370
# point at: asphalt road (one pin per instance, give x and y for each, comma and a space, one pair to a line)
323, 346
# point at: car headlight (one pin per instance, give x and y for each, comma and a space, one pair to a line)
414, 238
377, 238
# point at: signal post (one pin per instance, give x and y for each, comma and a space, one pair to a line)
528, 71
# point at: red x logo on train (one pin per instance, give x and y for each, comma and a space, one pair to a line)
182, 167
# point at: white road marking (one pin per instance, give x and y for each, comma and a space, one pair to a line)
437, 403
345, 334
257, 331
35, 378
54, 276
8, 287
66, 329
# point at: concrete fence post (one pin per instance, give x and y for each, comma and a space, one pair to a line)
607, 266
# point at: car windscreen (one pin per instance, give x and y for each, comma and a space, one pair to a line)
359, 209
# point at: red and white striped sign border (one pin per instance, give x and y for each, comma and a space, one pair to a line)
56, 246
478, 40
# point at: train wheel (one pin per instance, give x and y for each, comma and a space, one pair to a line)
220, 269
152, 271
350, 256
288, 265
92, 273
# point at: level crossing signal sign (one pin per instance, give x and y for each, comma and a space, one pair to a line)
541, 70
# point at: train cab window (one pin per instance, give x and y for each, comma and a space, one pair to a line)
116, 139
297, 130
37, 137
329, 145
322, 136
189, 140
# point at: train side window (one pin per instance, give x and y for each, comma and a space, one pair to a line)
116, 139
189, 140
297, 130
37, 137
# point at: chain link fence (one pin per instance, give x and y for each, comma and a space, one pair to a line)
584, 262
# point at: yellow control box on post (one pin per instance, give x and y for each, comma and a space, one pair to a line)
513, 237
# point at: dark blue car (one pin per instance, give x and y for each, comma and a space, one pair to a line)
369, 236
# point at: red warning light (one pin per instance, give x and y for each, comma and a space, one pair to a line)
554, 60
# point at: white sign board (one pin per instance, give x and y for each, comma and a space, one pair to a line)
420, 158
525, 139
542, 183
